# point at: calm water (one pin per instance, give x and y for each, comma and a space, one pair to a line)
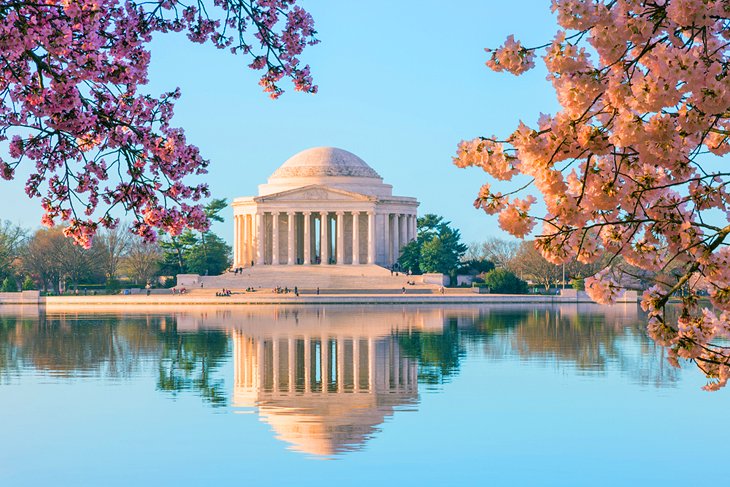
573, 395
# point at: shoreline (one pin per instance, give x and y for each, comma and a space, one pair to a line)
302, 300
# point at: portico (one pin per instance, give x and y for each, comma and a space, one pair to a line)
323, 206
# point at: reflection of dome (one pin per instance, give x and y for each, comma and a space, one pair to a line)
332, 424
324, 161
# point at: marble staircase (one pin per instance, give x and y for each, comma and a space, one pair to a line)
331, 278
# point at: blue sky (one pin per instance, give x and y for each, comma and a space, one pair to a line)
401, 83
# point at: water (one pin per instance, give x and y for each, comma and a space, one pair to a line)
274, 395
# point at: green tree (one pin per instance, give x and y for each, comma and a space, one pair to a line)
475, 266
197, 252
213, 255
210, 256
9, 285
437, 247
174, 250
502, 281
28, 284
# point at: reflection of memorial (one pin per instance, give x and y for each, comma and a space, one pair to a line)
325, 394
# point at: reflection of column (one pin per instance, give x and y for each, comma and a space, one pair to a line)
292, 365
356, 364
371, 365
247, 361
259, 379
340, 237
340, 364
396, 370
324, 239
290, 243
275, 238
307, 364
325, 364
259, 238
275, 363
371, 237
356, 237
237, 355
307, 239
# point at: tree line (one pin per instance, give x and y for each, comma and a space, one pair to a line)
505, 266
45, 259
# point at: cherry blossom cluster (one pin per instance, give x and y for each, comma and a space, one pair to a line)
71, 106
632, 164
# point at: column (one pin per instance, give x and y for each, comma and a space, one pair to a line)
324, 239
248, 230
387, 247
236, 240
414, 227
241, 238
243, 235
291, 242
275, 238
371, 237
394, 237
356, 237
260, 238
403, 235
307, 238
340, 237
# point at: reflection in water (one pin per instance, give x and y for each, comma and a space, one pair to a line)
114, 347
324, 394
326, 378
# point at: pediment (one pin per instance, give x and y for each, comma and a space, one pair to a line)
314, 192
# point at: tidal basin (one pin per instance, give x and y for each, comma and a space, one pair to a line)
347, 395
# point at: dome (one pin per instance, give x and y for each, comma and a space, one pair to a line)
324, 162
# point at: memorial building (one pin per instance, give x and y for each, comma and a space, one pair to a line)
323, 206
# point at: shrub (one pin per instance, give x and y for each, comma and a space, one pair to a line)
28, 284
8, 285
502, 281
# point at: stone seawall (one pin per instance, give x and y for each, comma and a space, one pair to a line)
23, 297
78, 302
256, 298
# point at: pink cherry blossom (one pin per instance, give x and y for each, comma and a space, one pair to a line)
630, 165
73, 108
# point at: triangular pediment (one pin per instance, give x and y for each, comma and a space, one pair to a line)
314, 192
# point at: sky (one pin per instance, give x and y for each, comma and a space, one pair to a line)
400, 84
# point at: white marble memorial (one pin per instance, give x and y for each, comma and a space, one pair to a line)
323, 206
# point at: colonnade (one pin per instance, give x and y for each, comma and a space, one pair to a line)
320, 237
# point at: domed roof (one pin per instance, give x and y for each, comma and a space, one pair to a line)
324, 161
